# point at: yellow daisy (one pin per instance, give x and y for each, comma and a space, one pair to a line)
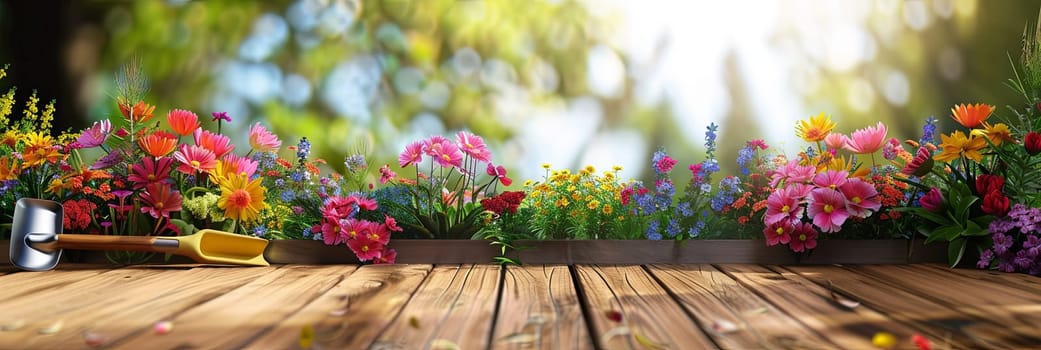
241, 198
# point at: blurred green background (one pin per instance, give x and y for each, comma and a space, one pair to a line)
544, 81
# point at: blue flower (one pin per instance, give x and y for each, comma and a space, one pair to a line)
684, 209
303, 149
696, 230
928, 131
306, 232
652, 232
743, 157
673, 228
260, 231
710, 139
287, 196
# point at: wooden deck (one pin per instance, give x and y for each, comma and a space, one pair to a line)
517, 307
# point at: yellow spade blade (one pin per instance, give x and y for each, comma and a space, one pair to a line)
219, 247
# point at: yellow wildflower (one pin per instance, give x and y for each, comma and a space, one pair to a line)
545, 165
959, 145
617, 168
997, 133
814, 129
608, 209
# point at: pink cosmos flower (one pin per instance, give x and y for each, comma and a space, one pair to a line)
195, 159
387, 256
413, 154
473, 146
150, 170
828, 209
392, 224
792, 173
861, 198
804, 238
386, 174
445, 153
159, 200
932, 200
367, 203
831, 179
835, 141
778, 233
182, 122
239, 165
330, 230
262, 140
799, 191
365, 248
354, 229
221, 116
95, 135
219, 144
781, 206
429, 143
499, 172
378, 233
867, 140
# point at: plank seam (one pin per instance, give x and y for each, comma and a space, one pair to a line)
583, 303
676, 299
498, 306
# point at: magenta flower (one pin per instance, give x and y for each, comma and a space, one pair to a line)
499, 172
95, 135
262, 140
932, 200
378, 233
828, 209
473, 146
429, 143
921, 164
413, 154
831, 179
387, 256
366, 249
867, 140
778, 233
221, 116
804, 238
239, 165
330, 230
195, 159
352, 228
159, 200
861, 198
799, 191
445, 153
781, 206
149, 171
386, 174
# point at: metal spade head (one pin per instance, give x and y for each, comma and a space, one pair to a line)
39, 220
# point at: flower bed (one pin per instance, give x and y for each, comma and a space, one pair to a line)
135, 174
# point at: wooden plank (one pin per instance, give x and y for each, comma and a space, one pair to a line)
1019, 280
539, 309
454, 305
237, 317
352, 313
717, 301
27, 282
813, 306
128, 307
1003, 314
939, 321
648, 314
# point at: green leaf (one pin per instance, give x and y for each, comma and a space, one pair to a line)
184, 227
945, 233
955, 251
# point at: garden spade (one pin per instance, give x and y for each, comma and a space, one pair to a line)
37, 241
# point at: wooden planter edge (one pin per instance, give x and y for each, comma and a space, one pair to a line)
833, 251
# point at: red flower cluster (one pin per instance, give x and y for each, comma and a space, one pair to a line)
77, 214
994, 202
505, 202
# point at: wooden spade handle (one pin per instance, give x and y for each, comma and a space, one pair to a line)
105, 242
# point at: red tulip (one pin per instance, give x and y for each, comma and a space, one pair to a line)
985, 184
1032, 142
995, 203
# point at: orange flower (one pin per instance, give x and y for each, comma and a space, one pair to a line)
182, 122
142, 111
241, 198
158, 144
39, 148
8, 168
971, 115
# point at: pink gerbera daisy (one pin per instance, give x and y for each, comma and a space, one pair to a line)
387, 256
413, 154
778, 233
792, 173
781, 206
445, 153
828, 209
219, 144
861, 198
365, 248
473, 146
159, 200
831, 179
354, 229
804, 238
262, 140
835, 141
150, 170
195, 159
867, 140
429, 143
386, 175
330, 229
238, 165
921, 165
378, 233
182, 122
